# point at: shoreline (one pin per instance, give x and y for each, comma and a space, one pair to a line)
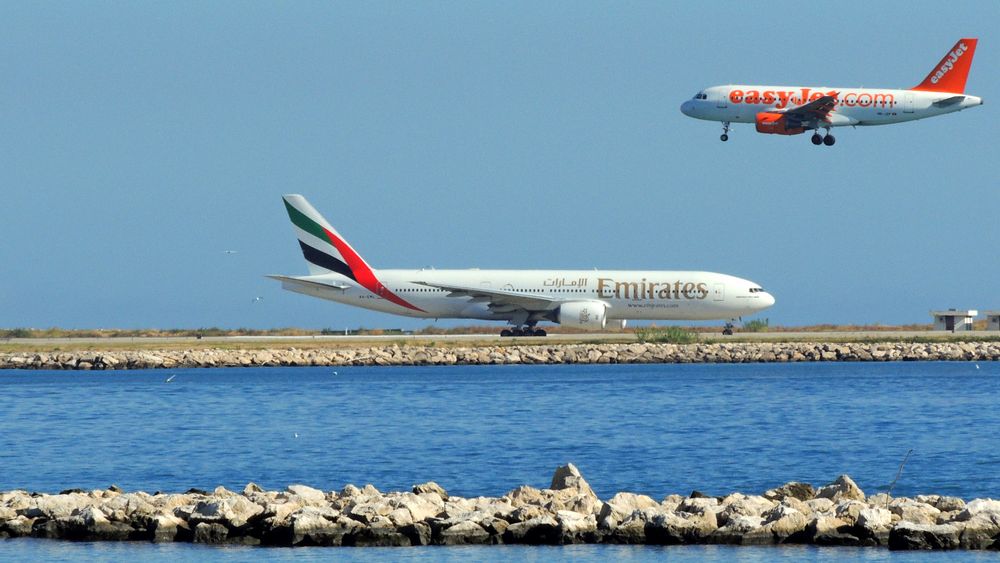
568, 512
510, 354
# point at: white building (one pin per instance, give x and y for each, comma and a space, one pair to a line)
992, 320
954, 319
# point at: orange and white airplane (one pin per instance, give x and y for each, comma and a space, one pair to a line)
791, 110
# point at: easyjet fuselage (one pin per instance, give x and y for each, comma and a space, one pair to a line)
628, 294
740, 103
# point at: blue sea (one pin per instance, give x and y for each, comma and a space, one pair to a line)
483, 430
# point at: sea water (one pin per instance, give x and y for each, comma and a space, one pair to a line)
483, 430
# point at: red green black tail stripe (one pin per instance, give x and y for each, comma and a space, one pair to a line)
355, 267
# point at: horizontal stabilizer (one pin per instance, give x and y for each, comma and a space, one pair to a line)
293, 283
943, 103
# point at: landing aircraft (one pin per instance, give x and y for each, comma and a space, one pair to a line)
588, 299
792, 110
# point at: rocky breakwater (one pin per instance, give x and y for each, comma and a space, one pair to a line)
619, 353
567, 512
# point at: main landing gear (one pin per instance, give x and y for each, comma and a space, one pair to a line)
827, 139
728, 329
725, 132
526, 331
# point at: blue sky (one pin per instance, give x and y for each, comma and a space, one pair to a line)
141, 140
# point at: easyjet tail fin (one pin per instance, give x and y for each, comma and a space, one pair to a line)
324, 249
949, 75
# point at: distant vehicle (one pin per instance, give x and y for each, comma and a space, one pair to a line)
791, 110
581, 298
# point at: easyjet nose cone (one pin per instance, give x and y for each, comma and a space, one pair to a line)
686, 108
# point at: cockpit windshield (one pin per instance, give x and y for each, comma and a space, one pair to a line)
756, 290
701, 96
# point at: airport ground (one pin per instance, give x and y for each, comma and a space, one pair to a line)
242, 342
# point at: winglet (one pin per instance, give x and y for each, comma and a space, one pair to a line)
951, 73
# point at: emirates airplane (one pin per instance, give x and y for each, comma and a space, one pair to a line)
791, 110
581, 298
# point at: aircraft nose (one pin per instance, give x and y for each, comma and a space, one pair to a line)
767, 300
687, 108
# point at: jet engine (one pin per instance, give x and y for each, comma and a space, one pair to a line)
583, 314
777, 124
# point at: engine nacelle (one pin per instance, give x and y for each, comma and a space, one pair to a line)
583, 314
776, 123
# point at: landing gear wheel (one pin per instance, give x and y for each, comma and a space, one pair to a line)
817, 139
829, 140
728, 329
506, 333
725, 131
724, 137
539, 332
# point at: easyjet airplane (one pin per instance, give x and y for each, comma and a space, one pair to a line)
581, 298
791, 110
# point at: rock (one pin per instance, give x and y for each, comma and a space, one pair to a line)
569, 477
844, 488
982, 531
827, 530
740, 530
464, 533
873, 525
915, 512
252, 488
740, 505
794, 489
308, 494
979, 506
167, 528
206, 532
320, 526
537, 531
620, 506
672, 529
907, 536
786, 524
576, 528
431, 487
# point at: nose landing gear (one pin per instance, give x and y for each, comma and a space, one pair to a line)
728, 329
725, 132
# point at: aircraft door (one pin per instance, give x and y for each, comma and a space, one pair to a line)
719, 292
908, 102
721, 99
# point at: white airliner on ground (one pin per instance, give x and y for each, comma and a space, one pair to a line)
791, 110
581, 298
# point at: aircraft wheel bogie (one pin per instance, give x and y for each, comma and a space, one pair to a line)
724, 137
505, 333
817, 139
829, 140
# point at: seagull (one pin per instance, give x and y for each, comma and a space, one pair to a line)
977, 366
230, 251
334, 372
256, 299
296, 434
171, 378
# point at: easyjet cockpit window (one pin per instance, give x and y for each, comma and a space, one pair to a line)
756, 290
701, 96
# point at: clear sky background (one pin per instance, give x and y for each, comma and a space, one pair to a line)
141, 140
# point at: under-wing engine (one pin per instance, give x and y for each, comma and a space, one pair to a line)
777, 123
583, 314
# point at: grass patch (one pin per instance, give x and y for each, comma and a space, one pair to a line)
665, 335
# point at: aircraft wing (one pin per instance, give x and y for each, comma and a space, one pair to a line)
500, 300
816, 110
291, 282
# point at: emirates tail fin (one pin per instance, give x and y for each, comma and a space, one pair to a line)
950, 74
